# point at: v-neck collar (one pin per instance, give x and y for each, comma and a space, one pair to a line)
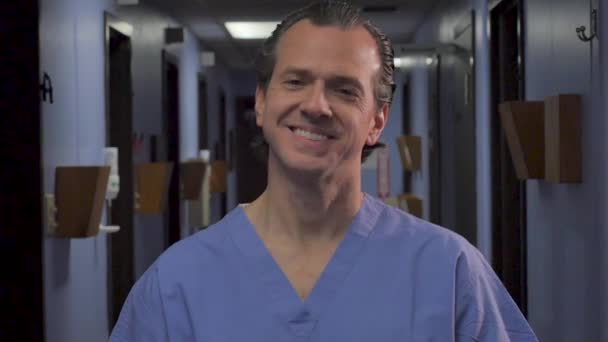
301, 316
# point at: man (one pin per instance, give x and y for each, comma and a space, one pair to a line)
313, 258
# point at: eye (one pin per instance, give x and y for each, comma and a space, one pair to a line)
294, 82
348, 92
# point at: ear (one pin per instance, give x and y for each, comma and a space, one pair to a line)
260, 105
377, 124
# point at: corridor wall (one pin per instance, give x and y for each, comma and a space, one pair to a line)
72, 42
567, 223
564, 222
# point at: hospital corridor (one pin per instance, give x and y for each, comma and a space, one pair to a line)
128, 126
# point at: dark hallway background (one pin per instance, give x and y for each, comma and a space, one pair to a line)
21, 272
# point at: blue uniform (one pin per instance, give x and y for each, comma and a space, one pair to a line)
392, 278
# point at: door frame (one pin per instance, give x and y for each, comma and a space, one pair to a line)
120, 274
203, 113
434, 139
173, 213
500, 152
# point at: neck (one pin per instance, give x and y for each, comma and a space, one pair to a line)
306, 209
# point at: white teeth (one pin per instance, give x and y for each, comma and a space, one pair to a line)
310, 135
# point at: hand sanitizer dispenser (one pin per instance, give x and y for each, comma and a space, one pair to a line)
111, 159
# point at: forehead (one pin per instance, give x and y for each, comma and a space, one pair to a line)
328, 49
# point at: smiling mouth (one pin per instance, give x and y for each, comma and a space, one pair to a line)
310, 135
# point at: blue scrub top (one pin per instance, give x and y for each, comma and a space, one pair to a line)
392, 278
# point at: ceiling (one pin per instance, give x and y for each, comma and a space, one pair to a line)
397, 18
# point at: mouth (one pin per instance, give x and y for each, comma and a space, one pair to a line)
315, 136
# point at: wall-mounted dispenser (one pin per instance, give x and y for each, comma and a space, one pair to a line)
75, 209
204, 203
152, 181
111, 159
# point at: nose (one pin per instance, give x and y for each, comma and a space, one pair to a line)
315, 103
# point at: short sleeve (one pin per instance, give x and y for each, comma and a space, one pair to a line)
484, 309
142, 317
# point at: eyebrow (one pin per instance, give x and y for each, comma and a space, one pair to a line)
333, 79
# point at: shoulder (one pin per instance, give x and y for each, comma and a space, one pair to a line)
204, 250
411, 232
484, 310
427, 246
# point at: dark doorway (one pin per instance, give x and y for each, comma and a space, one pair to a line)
509, 194
171, 104
434, 136
220, 148
406, 129
119, 134
21, 238
251, 171
203, 134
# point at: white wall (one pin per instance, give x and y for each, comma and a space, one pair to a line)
189, 66
419, 123
72, 38
73, 132
564, 226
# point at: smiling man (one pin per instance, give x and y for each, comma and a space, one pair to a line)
313, 258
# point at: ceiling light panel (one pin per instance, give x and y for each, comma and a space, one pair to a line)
251, 29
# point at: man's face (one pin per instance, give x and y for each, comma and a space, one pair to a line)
319, 109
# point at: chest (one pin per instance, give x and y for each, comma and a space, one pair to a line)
374, 303
303, 269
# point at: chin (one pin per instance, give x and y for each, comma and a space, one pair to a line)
302, 164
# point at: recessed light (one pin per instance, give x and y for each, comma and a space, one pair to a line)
251, 29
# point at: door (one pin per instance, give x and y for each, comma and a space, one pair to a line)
203, 134
220, 149
406, 129
120, 134
251, 171
509, 194
434, 136
171, 132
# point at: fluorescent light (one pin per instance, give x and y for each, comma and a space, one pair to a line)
429, 60
251, 29
404, 62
